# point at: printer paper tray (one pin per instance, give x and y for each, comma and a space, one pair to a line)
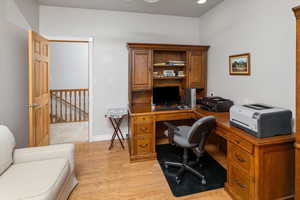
248, 130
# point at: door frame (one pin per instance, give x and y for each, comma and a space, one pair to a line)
90, 41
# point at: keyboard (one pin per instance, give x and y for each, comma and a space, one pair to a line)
166, 108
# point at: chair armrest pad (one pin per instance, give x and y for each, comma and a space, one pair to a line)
32, 154
171, 126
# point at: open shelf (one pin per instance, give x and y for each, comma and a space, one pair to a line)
162, 140
169, 65
169, 77
211, 149
218, 155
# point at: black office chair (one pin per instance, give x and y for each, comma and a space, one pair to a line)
190, 137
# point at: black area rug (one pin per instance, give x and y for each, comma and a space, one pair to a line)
214, 173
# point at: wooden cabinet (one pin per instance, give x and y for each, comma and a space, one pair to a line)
141, 69
240, 171
197, 69
266, 173
297, 145
257, 168
149, 65
142, 138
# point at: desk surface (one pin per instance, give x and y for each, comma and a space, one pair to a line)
222, 125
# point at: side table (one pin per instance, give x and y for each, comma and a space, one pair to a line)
116, 116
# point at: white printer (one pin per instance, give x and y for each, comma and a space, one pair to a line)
261, 120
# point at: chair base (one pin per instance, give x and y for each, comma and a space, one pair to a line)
184, 168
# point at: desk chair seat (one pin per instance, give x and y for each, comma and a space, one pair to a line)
190, 137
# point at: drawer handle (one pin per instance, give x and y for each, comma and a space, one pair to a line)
237, 141
144, 129
143, 145
239, 184
239, 158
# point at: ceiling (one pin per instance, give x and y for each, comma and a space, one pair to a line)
187, 8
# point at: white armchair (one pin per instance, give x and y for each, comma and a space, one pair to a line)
38, 173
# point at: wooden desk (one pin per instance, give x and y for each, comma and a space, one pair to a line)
258, 169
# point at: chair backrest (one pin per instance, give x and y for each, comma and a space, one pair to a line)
200, 131
7, 145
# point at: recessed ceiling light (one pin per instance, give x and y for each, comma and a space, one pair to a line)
151, 1
201, 1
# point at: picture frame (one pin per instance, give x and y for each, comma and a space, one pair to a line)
240, 64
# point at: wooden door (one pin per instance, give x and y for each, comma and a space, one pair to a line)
196, 70
141, 69
39, 95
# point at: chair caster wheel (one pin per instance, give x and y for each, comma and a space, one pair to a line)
178, 181
203, 182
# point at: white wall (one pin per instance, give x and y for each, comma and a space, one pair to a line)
30, 11
111, 32
266, 29
69, 65
13, 71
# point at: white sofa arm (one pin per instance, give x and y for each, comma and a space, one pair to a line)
66, 151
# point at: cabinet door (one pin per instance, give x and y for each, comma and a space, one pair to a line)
141, 69
197, 70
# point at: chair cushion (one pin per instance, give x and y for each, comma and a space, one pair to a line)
7, 145
39, 180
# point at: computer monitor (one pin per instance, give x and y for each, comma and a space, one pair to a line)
166, 95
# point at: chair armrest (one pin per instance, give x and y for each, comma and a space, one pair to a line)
32, 154
171, 126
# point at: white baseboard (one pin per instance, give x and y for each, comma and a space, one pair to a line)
103, 137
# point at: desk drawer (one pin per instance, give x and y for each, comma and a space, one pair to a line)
239, 182
240, 157
244, 144
143, 125
144, 119
143, 145
143, 129
174, 116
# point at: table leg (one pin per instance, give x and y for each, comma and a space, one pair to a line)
118, 127
113, 136
116, 123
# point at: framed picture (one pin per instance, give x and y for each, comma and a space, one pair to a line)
240, 64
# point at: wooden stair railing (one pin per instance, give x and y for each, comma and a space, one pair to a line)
72, 106
69, 105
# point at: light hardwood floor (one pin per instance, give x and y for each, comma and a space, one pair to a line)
108, 175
